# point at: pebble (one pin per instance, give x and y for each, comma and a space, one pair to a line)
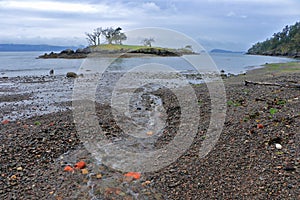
128, 179
209, 184
278, 146
84, 171
150, 133
19, 168
99, 176
13, 177
146, 183
260, 126
289, 167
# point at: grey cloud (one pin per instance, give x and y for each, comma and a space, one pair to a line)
215, 23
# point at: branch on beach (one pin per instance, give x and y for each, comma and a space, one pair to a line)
272, 84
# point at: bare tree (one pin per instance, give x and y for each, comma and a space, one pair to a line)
98, 33
111, 35
148, 41
92, 38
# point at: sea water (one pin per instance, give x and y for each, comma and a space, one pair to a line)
14, 64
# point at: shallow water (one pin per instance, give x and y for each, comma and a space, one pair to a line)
43, 96
49, 91
14, 64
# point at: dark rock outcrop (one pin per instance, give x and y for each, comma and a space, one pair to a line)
69, 53
275, 53
71, 75
156, 51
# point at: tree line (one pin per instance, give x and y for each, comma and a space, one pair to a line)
111, 35
285, 43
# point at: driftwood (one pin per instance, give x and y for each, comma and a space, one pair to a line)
291, 85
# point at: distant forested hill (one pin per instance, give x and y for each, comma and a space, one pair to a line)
29, 47
284, 43
225, 51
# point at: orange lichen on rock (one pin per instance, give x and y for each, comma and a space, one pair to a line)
80, 165
134, 175
68, 169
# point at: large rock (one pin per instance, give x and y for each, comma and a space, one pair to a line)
297, 55
67, 51
86, 50
71, 75
79, 50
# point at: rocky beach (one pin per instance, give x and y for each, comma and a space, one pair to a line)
256, 157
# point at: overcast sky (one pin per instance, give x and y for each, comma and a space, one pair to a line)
226, 24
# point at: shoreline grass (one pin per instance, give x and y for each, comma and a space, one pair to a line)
283, 67
128, 48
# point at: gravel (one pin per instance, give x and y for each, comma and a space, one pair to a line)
246, 162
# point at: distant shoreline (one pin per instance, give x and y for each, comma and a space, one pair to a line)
295, 56
32, 47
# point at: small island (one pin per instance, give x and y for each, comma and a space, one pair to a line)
113, 45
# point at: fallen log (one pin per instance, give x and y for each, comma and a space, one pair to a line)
272, 84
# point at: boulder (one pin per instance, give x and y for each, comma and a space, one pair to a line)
67, 51
87, 50
296, 55
71, 75
79, 50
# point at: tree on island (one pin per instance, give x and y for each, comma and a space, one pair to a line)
98, 33
189, 47
91, 38
148, 41
111, 35
115, 35
94, 37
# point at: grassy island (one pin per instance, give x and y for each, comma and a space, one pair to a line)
113, 49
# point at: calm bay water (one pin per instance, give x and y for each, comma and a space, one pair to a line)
14, 64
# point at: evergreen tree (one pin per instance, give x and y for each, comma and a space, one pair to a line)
284, 43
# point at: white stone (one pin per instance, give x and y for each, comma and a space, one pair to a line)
278, 146
19, 168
